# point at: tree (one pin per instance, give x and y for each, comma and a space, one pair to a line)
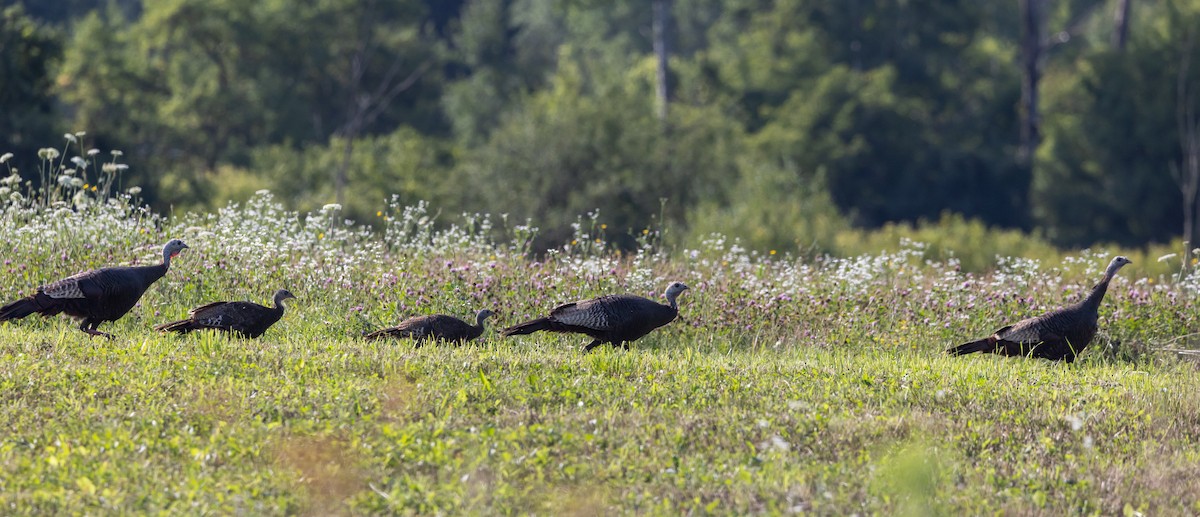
1187, 116
377, 53
27, 53
1035, 45
592, 141
175, 89
62, 13
195, 84
912, 117
662, 54
404, 164
1031, 72
1115, 136
1121, 23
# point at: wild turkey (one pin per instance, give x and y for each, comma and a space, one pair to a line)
435, 326
245, 319
1057, 335
96, 296
616, 319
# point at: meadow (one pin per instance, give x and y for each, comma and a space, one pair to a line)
788, 385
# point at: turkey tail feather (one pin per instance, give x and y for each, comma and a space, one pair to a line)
39, 303
380, 334
183, 326
986, 344
529, 327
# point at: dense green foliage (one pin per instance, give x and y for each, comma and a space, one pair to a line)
788, 122
787, 385
27, 53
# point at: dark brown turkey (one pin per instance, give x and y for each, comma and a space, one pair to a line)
616, 319
1057, 335
435, 326
244, 319
95, 296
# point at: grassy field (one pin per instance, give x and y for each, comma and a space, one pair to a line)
787, 386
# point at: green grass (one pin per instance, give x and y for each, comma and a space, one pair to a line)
789, 385
302, 424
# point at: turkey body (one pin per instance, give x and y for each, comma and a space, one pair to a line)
1059, 335
246, 319
615, 319
95, 296
439, 327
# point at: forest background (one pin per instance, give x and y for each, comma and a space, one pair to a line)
805, 126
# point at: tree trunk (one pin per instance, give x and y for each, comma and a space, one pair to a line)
1121, 22
1188, 121
341, 177
365, 106
366, 102
1031, 55
662, 13
1190, 176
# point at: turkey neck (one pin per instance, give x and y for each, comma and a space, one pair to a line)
279, 304
153, 273
1093, 300
671, 301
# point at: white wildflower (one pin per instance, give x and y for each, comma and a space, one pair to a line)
80, 134
48, 153
779, 444
69, 172
133, 191
64, 180
1167, 257
93, 152
109, 168
1076, 422
115, 152
79, 162
76, 182
6, 157
71, 138
331, 207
